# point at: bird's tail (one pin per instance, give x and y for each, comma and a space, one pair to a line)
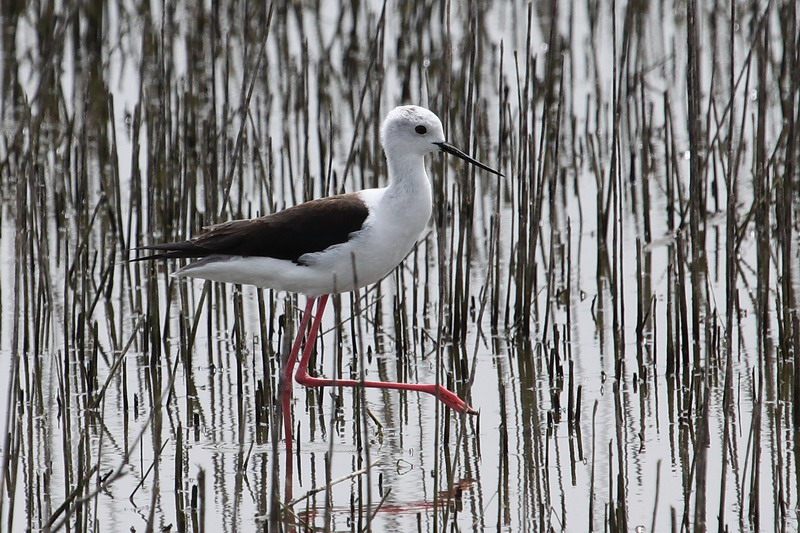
170, 250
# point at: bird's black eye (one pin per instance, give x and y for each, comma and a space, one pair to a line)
422, 130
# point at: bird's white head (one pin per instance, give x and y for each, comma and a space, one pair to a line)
411, 129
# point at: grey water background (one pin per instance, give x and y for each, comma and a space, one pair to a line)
621, 307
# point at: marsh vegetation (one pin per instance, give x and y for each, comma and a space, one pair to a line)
622, 306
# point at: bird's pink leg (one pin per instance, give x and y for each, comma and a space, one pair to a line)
447, 397
286, 394
298, 342
286, 377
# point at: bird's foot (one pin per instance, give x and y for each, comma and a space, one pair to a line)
451, 400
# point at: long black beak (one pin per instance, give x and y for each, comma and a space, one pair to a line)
452, 150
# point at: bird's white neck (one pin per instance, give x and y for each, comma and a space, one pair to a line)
408, 178
408, 196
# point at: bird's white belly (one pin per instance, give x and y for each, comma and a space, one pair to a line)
364, 260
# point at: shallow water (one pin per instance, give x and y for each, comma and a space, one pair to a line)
581, 303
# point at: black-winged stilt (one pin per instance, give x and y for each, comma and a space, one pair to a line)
332, 245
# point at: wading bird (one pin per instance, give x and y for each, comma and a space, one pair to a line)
332, 245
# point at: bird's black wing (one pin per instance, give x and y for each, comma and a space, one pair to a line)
306, 228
